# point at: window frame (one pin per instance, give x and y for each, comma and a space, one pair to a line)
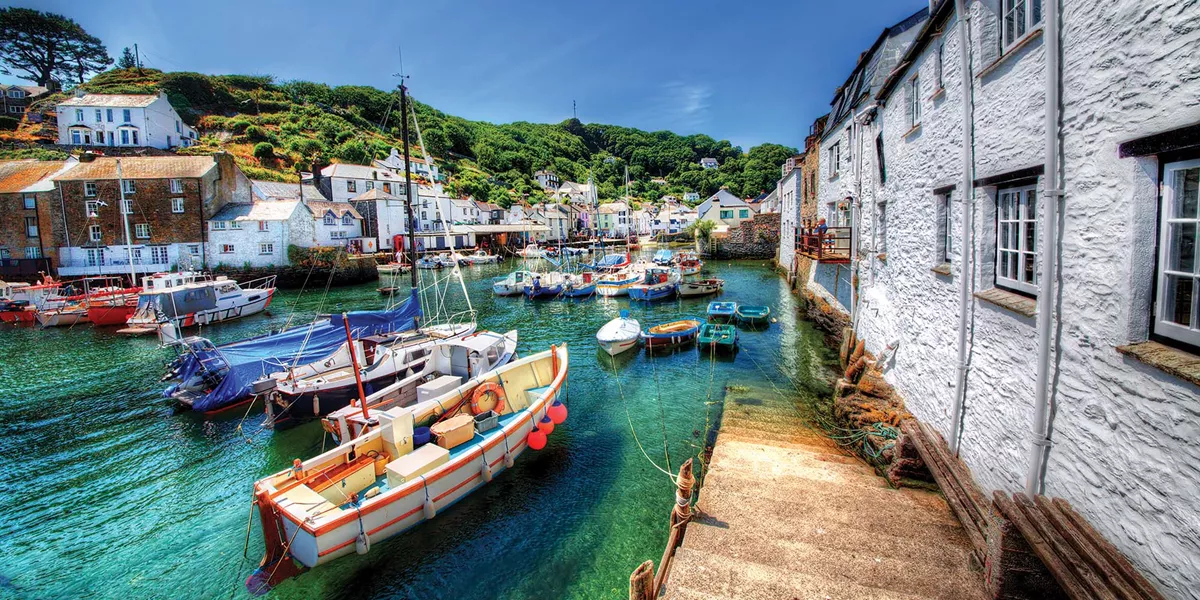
127, 206
177, 205
944, 237
266, 248
141, 231
128, 186
940, 64
79, 115
835, 158
29, 201
1188, 334
159, 252
31, 227
914, 101
126, 115
99, 116
347, 219
227, 249
1029, 21
264, 226
33, 252
329, 220
95, 233
91, 208
176, 186
351, 186
1026, 196
216, 225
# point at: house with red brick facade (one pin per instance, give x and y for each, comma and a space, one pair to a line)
167, 200
29, 233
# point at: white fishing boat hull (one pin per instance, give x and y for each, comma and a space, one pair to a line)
56, 318
619, 335
698, 288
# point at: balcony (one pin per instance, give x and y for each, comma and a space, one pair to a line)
833, 246
110, 266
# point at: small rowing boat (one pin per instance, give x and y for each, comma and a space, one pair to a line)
546, 285
715, 337
753, 315
664, 257
671, 335
722, 311
656, 284
701, 287
579, 286
619, 334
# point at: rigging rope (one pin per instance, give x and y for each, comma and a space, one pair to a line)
625, 401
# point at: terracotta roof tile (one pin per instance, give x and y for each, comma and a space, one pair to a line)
16, 175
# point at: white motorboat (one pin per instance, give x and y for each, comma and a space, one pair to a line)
618, 284
188, 298
702, 287
514, 284
619, 335
479, 257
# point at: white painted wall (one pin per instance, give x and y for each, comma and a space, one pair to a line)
788, 192
1124, 450
158, 125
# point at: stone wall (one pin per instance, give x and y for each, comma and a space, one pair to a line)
293, 277
756, 238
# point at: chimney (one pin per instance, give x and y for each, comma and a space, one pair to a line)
232, 184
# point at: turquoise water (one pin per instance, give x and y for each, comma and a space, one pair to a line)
106, 491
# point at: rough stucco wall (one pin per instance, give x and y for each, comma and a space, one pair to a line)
788, 192
1124, 434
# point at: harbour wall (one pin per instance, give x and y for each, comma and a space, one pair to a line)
294, 277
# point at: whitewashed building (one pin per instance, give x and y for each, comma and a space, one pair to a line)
417, 166
122, 120
614, 219
725, 210
691, 196
789, 192
642, 219
709, 163
1121, 376
257, 234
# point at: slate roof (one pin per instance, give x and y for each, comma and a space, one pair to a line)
339, 209
276, 190
17, 175
141, 167
723, 197
112, 100
266, 210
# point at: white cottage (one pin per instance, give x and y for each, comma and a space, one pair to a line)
257, 234
122, 120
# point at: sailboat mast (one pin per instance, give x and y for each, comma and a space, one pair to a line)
125, 218
408, 190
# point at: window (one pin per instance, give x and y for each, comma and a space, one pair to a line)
127, 115
15, 109
177, 130
939, 65
347, 219
744, 214
176, 186
92, 207
194, 249
387, 187
95, 257
727, 214
176, 205
128, 186
30, 201
16, 93
137, 255
1019, 17
158, 255
330, 219
4, 253
33, 252
263, 226
75, 139
89, 188
945, 230
226, 248
235, 224
835, 159
141, 231
94, 233
108, 115
881, 227
79, 115
337, 235
127, 207
125, 136
1178, 307
1016, 236
266, 248
370, 185
135, 140
914, 102
31, 228
217, 225
99, 116
351, 186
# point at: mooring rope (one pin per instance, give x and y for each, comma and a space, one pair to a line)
629, 416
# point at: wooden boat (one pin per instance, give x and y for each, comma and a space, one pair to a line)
619, 334
392, 268
722, 311
664, 257
715, 337
689, 263
95, 295
546, 285
753, 315
671, 335
618, 284
582, 285
381, 484
658, 283
513, 284
702, 287
65, 316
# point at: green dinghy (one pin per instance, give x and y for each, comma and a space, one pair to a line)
717, 337
753, 315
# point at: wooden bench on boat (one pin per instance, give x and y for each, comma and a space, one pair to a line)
1084, 564
1038, 548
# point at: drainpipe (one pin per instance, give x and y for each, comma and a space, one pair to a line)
856, 127
1040, 445
966, 265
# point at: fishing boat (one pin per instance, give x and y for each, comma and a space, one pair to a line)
618, 284
671, 335
582, 285
513, 284
753, 315
702, 287
689, 263
664, 257
714, 337
722, 311
188, 298
480, 257
619, 334
64, 316
612, 263
657, 283
531, 251
19, 302
391, 269
545, 285
87, 296
429, 263
412, 359
387, 481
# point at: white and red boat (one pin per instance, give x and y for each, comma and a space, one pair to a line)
86, 293
188, 298
384, 482
20, 302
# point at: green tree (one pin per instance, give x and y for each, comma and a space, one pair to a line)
48, 47
127, 60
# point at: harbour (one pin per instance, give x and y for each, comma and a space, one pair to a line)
578, 511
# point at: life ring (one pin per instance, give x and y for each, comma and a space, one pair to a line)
484, 389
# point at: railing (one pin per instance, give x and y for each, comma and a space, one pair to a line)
832, 245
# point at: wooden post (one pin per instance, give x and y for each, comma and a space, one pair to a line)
641, 582
681, 513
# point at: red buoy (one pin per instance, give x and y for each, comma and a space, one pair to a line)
546, 425
536, 439
557, 412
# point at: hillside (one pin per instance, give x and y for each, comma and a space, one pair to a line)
276, 129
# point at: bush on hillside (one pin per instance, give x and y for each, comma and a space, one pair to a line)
264, 151
9, 123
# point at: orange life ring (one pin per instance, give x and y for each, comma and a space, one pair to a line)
484, 389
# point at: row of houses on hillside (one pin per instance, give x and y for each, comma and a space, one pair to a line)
1027, 266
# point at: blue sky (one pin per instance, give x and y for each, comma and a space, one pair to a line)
749, 72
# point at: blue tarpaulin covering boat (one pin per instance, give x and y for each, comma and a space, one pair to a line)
248, 360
